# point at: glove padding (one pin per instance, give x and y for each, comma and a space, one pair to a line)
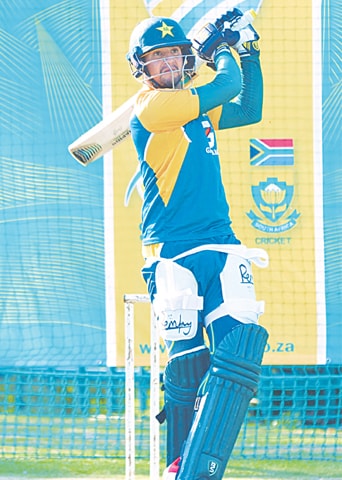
231, 19
209, 41
227, 31
243, 40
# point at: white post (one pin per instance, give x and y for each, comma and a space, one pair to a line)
129, 392
129, 301
154, 399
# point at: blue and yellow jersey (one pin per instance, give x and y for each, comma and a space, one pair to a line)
176, 144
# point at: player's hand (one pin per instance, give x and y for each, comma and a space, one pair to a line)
247, 44
231, 19
208, 42
241, 37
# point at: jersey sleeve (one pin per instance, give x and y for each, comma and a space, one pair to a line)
246, 109
165, 110
225, 86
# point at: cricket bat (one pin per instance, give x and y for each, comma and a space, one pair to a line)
114, 128
104, 136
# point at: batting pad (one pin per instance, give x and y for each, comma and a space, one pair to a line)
233, 380
182, 377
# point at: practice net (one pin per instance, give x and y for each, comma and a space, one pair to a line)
70, 235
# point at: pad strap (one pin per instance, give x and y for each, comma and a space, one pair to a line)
256, 255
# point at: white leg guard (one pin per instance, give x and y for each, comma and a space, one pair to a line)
234, 375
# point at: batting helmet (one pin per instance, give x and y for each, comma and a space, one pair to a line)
153, 33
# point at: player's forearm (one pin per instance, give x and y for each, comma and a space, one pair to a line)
225, 86
247, 108
251, 95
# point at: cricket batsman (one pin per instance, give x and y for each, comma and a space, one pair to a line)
198, 274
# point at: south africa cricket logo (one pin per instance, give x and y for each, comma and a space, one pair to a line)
273, 200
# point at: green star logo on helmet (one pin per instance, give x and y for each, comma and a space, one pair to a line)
165, 30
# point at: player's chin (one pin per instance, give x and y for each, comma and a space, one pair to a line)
170, 80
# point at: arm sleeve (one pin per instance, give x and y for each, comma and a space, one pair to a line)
247, 107
225, 86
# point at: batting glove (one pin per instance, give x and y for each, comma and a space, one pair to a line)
247, 44
208, 42
241, 37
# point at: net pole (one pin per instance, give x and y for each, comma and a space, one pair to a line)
129, 301
154, 399
129, 392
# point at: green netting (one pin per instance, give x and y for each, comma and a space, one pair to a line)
297, 414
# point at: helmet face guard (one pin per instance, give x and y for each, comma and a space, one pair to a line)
152, 34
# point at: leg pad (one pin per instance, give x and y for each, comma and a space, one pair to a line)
182, 377
232, 382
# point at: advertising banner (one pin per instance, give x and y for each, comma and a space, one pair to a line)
272, 173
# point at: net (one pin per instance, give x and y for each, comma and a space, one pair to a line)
70, 235
297, 414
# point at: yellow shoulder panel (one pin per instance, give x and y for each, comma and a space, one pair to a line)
163, 110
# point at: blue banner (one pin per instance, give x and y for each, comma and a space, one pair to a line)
51, 210
332, 172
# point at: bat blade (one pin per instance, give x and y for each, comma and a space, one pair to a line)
104, 136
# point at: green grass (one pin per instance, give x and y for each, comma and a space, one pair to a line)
114, 469
65, 439
71, 437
